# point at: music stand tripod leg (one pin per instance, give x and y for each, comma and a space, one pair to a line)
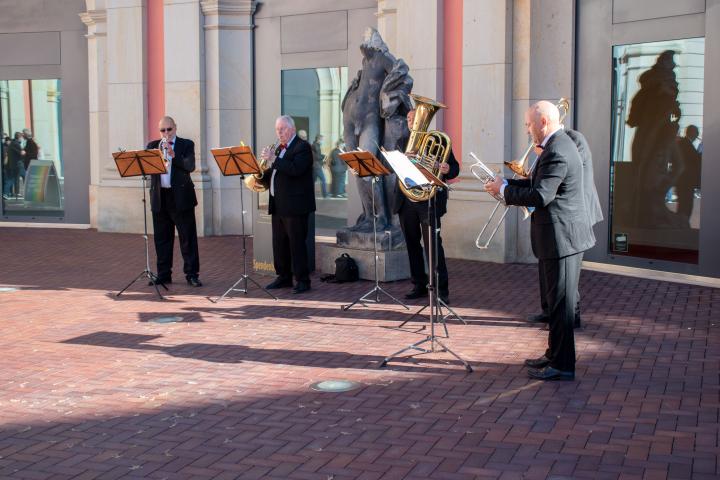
147, 272
377, 289
434, 304
244, 277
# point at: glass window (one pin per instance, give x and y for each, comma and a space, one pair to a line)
657, 149
313, 97
32, 166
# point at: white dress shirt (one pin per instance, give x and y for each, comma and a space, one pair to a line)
280, 155
165, 177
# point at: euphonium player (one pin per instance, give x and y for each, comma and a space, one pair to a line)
414, 221
292, 199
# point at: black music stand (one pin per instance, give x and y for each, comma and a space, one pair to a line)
434, 301
240, 161
365, 164
133, 163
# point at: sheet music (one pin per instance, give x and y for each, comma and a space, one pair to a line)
408, 173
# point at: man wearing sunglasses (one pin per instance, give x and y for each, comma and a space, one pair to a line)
173, 201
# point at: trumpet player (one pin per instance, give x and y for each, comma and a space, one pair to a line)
173, 201
560, 232
292, 199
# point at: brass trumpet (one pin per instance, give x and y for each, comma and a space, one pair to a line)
519, 168
259, 182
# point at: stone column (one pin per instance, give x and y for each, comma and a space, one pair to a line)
118, 108
185, 93
542, 70
95, 18
228, 35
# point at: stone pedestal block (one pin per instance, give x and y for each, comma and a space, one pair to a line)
392, 265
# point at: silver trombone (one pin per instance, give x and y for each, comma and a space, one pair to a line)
519, 168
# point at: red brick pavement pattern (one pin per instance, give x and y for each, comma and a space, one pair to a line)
91, 388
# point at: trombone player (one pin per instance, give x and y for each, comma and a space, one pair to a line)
560, 232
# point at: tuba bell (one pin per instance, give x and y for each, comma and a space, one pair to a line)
431, 148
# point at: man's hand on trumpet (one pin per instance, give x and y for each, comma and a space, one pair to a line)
268, 154
493, 188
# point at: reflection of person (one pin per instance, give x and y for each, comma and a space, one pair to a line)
654, 113
338, 170
31, 148
560, 232
173, 201
689, 178
9, 169
318, 164
302, 134
292, 199
414, 222
16, 157
594, 212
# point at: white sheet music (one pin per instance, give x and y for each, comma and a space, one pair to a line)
408, 173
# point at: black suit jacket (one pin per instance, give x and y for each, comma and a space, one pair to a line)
441, 197
592, 201
182, 185
294, 187
560, 224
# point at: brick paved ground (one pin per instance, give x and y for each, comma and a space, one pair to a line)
91, 388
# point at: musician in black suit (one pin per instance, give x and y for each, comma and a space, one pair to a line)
560, 232
414, 221
173, 201
594, 212
292, 199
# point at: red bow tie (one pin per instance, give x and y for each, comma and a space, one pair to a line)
283, 146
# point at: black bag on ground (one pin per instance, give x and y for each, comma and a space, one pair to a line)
346, 270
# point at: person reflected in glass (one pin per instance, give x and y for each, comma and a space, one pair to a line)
338, 170
16, 157
319, 164
9, 169
654, 113
689, 178
31, 148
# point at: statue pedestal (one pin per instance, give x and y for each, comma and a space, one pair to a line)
393, 261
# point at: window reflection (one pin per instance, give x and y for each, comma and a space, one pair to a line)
32, 167
657, 149
313, 97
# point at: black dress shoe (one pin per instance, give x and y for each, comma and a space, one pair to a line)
538, 318
160, 281
301, 287
417, 292
550, 373
194, 281
279, 283
537, 362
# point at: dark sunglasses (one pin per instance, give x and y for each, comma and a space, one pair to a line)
169, 129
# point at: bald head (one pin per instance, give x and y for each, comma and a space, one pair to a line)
542, 118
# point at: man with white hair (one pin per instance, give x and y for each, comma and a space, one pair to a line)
292, 199
560, 232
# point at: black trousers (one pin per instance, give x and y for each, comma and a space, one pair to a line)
165, 222
414, 221
561, 280
543, 292
289, 234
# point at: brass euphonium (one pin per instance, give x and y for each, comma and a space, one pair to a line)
431, 148
260, 182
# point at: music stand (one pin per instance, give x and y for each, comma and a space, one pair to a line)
234, 161
133, 163
365, 164
434, 301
